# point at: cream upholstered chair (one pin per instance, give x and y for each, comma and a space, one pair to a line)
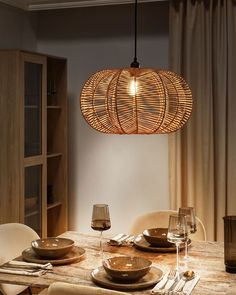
161, 219
14, 238
59, 288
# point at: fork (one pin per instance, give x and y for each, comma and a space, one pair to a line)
170, 280
160, 287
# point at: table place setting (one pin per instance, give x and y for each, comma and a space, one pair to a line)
53, 250
42, 255
126, 273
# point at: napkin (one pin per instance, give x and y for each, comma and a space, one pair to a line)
160, 285
122, 240
25, 268
189, 286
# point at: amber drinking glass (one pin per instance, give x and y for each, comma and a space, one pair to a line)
230, 243
100, 220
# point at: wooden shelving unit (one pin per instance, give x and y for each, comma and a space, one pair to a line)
56, 148
33, 118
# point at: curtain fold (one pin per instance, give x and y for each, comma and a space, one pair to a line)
202, 156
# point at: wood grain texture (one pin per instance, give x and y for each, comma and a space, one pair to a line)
207, 260
53, 130
10, 139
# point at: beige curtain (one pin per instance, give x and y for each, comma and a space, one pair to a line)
202, 156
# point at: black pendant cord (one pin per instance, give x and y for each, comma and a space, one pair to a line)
135, 63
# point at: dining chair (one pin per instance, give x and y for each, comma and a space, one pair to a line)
161, 219
14, 238
60, 288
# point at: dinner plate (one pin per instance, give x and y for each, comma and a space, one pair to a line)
75, 254
100, 277
141, 244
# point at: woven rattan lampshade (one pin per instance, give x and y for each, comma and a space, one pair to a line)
136, 101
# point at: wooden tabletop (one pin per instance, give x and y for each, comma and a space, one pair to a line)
207, 259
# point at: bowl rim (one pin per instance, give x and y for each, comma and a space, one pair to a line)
145, 232
104, 263
53, 248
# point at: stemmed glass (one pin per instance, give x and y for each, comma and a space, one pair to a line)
177, 233
100, 221
189, 213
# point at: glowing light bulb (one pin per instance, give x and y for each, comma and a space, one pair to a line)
133, 88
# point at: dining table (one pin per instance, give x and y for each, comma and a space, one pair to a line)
207, 260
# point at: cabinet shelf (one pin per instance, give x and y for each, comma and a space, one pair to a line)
50, 107
31, 107
54, 205
54, 155
30, 214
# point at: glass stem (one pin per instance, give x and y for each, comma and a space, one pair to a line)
186, 250
177, 257
101, 249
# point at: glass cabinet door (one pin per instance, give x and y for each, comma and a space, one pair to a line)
33, 197
33, 109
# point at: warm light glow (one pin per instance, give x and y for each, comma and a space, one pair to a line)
136, 101
133, 88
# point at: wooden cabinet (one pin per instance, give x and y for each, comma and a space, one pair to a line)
33, 141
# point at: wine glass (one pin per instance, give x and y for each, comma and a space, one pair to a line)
189, 213
100, 221
177, 233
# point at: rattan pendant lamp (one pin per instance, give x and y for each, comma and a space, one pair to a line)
136, 100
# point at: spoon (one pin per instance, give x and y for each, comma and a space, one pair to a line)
187, 276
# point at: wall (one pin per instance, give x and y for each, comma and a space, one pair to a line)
17, 29
130, 173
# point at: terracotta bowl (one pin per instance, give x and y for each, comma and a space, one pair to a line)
52, 248
157, 237
127, 268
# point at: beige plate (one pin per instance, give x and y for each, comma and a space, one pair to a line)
142, 244
100, 277
75, 254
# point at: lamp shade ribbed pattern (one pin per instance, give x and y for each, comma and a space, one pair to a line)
136, 101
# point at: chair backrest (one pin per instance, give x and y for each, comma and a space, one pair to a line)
14, 238
151, 220
200, 234
59, 288
161, 219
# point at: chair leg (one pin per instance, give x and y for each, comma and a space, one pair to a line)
29, 291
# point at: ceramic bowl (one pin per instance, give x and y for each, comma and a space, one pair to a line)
126, 268
52, 247
157, 237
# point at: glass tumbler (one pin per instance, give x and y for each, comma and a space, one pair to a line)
230, 243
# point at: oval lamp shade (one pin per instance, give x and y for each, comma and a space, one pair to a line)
136, 101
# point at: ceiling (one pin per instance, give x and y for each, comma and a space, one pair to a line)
56, 4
